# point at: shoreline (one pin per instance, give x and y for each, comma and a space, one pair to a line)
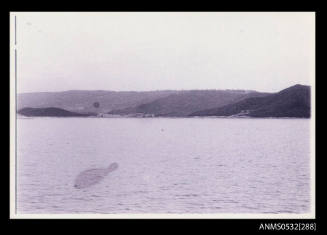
163, 117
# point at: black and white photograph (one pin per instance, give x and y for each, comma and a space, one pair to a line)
174, 115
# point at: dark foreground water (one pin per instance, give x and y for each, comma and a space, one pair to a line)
195, 165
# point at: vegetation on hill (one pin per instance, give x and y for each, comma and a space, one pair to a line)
291, 102
51, 112
186, 102
88, 101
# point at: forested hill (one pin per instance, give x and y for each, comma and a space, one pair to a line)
184, 103
88, 101
50, 112
291, 102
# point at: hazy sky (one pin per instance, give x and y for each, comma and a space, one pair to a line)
154, 51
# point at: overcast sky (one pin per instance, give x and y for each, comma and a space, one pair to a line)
155, 51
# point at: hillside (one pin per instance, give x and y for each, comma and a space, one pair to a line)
186, 102
86, 101
50, 112
291, 102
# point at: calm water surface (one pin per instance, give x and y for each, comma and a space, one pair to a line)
166, 165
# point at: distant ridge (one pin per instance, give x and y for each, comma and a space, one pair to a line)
183, 103
290, 102
50, 112
82, 101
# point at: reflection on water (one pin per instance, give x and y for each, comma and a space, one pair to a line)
165, 165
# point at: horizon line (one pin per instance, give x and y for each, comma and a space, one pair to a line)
226, 89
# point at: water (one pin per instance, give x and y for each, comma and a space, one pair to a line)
166, 165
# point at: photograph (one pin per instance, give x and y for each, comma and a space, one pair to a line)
162, 115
